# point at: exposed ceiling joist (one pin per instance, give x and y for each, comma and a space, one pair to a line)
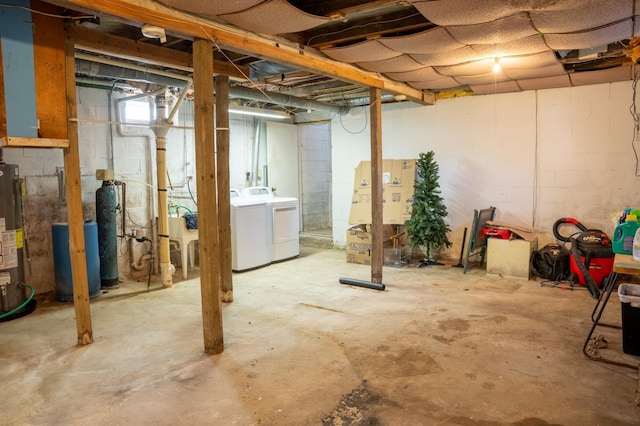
148, 12
120, 47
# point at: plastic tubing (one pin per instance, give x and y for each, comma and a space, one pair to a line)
176, 208
22, 305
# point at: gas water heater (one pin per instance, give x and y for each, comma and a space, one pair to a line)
15, 297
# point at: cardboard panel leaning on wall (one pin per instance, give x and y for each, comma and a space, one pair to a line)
398, 180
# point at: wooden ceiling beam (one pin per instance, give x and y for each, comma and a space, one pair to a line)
124, 48
146, 11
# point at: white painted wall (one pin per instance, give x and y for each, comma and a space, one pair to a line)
537, 156
486, 147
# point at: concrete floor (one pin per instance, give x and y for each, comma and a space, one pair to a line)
436, 348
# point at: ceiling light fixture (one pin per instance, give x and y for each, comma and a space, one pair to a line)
152, 31
496, 65
258, 112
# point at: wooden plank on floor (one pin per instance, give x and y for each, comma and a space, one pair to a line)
206, 190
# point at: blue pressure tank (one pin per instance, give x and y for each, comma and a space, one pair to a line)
107, 234
62, 260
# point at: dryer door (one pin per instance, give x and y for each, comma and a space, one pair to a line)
285, 223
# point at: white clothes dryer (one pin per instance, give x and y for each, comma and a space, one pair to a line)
250, 233
285, 222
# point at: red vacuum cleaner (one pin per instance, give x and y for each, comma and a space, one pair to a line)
591, 258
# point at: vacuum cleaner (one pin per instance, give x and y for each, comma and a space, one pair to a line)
591, 256
551, 262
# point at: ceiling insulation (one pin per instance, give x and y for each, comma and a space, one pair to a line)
433, 45
273, 17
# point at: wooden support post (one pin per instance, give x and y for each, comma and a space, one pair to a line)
164, 250
377, 254
224, 199
206, 190
74, 207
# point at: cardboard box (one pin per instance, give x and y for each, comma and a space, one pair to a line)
359, 243
510, 257
398, 180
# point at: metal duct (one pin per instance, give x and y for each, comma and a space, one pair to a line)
285, 100
94, 69
89, 66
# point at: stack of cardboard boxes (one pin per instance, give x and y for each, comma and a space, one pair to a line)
398, 180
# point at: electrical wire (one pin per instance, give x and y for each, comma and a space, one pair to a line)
51, 15
190, 193
252, 82
364, 127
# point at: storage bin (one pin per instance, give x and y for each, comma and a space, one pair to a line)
630, 299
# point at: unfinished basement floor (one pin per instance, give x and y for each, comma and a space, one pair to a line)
435, 348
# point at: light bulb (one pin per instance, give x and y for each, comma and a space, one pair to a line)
496, 65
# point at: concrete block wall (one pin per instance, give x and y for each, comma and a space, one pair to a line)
537, 155
43, 203
134, 162
314, 146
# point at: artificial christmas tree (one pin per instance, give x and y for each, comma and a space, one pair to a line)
427, 228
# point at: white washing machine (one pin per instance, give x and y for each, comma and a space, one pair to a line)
285, 222
250, 233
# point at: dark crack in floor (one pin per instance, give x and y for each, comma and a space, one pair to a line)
353, 409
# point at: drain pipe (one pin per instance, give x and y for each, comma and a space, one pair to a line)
146, 257
256, 152
161, 128
166, 268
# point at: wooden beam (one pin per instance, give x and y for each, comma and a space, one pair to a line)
206, 190
124, 48
377, 254
146, 11
48, 52
11, 141
75, 218
224, 198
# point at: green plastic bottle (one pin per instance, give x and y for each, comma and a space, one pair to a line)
624, 234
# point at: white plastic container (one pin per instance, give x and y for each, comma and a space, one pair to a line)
636, 246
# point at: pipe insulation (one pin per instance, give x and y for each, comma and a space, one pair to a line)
89, 68
94, 66
285, 100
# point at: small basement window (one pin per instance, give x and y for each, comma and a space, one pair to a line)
138, 111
